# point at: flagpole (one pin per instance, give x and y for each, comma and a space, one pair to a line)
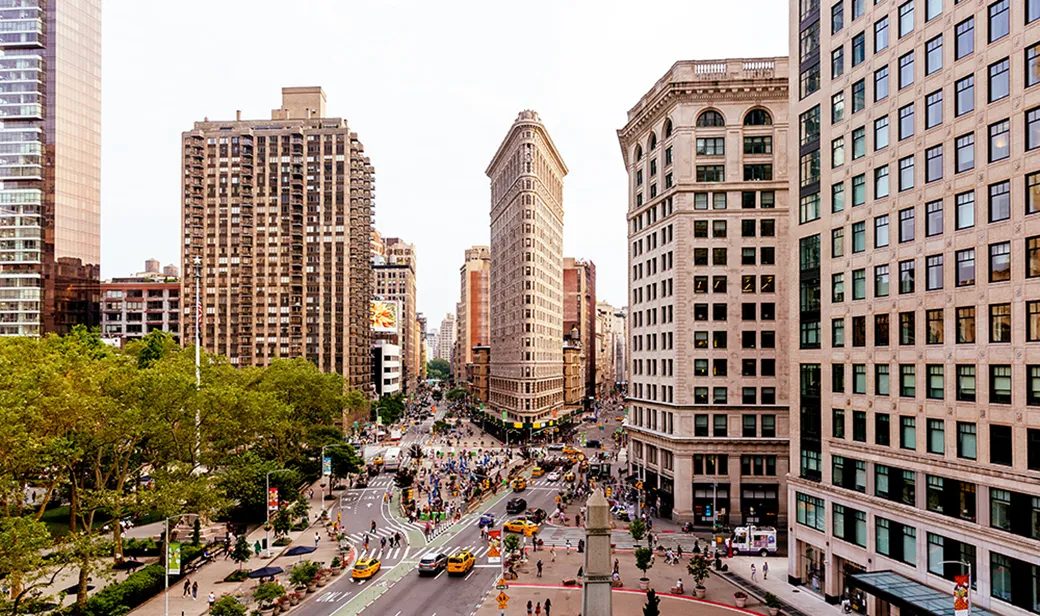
198, 343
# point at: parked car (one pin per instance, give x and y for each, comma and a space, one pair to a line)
536, 515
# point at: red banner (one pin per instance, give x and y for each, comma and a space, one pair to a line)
272, 498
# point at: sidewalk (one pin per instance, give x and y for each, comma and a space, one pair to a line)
800, 598
210, 577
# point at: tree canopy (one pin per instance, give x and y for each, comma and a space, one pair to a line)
438, 369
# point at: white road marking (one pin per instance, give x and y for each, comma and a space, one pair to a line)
440, 574
471, 574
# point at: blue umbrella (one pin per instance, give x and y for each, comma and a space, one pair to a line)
299, 550
265, 572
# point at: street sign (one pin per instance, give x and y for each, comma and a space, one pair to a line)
501, 585
503, 600
639, 485
494, 555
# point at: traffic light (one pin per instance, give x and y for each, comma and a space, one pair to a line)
408, 495
608, 491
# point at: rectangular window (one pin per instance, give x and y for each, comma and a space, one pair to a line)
859, 426
859, 237
999, 20
965, 383
933, 55
907, 333
906, 18
933, 109
964, 43
711, 146
881, 231
1033, 62
908, 432
859, 378
965, 267
906, 225
749, 425
936, 382
1032, 321
809, 81
859, 190
811, 512
965, 90
837, 288
1000, 201
837, 152
859, 143
881, 182
838, 17
837, 62
906, 70
933, 169
711, 173
838, 196
881, 281
859, 331
810, 168
882, 430
1000, 323
882, 386
966, 445
881, 84
907, 381
1001, 446
859, 284
965, 210
880, 34
934, 326
881, 329
859, 96
933, 8
1000, 262
999, 384
965, 152
999, 80
906, 276
1033, 126
906, 122
966, 325
881, 133
809, 123
936, 436
999, 140
838, 423
933, 272
859, 48
837, 107
758, 145
906, 173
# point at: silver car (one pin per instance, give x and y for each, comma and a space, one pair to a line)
433, 562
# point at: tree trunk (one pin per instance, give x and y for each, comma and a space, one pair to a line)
117, 542
81, 592
73, 506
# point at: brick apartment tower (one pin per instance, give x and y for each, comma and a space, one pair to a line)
280, 211
526, 380
50, 181
394, 277
579, 315
705, 151
915, 445
471, 319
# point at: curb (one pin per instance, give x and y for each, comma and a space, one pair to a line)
636, 591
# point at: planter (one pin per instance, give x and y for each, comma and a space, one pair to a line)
773, 611
644, 583
741, 601
701, 591
268, 610
322, 581
310, 587
284, 607
294, 600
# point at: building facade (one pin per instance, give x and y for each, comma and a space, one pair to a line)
280, 213
393, 273
446, 338
526, 281
133, 307
471, 318
579, 315
705, 154
386, 367
50, 200
607, 333
916, 441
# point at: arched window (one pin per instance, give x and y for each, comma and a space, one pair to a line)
711, 118
652, 144
639, 152
758, 117
668, 128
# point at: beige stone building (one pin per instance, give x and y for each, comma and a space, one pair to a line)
607, 333
471, 317
393, 272
446, 338
916, 372
280, 211
526, 380
579, 316
705, 152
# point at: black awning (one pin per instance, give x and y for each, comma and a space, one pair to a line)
914, 597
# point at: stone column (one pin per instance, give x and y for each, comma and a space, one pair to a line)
595, 595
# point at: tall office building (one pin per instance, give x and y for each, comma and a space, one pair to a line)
446, 338
704, 151
50, 199
393, 272
471, 318
915, 450
280, 212
579, 316
526, 364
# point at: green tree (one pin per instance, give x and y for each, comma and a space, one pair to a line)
356, 405
281, 522
266, 594
242, 552
438, 369
653, 604
698, 569
22, 544
456, 395
644, 557
243, 482
511, 543
637, 528
404, 478
345, 461
227, 605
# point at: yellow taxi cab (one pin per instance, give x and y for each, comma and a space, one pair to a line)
619, 418
570, 451
519, 484
538, 471
520, 526
569, 476
461, 562
378, 460
365, 568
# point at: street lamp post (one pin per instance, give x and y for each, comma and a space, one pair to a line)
968, 566
197, 262
166, 560
267, 511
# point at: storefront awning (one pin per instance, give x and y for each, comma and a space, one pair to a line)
910, 596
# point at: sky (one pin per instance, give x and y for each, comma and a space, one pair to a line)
430, 86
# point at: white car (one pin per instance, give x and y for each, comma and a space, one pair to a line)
554, 476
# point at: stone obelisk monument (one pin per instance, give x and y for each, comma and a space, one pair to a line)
595, 595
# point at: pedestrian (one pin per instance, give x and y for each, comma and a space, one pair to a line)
616, 565
568, 546
547, 606
753, 572
539, 567
317, 538
765, 571
552, 552
529, 608
538, 609
187, 587
194, 591
212, 600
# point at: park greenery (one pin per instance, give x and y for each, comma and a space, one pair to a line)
91, 435
438, 369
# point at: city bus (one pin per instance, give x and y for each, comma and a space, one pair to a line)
392, 459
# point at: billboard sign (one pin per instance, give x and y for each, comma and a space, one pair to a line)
385, 316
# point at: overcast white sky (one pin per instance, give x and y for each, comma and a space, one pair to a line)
430, 86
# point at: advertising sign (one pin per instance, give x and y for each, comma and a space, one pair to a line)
272, 498
385, 317
961, 596
326, 466
173, 558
